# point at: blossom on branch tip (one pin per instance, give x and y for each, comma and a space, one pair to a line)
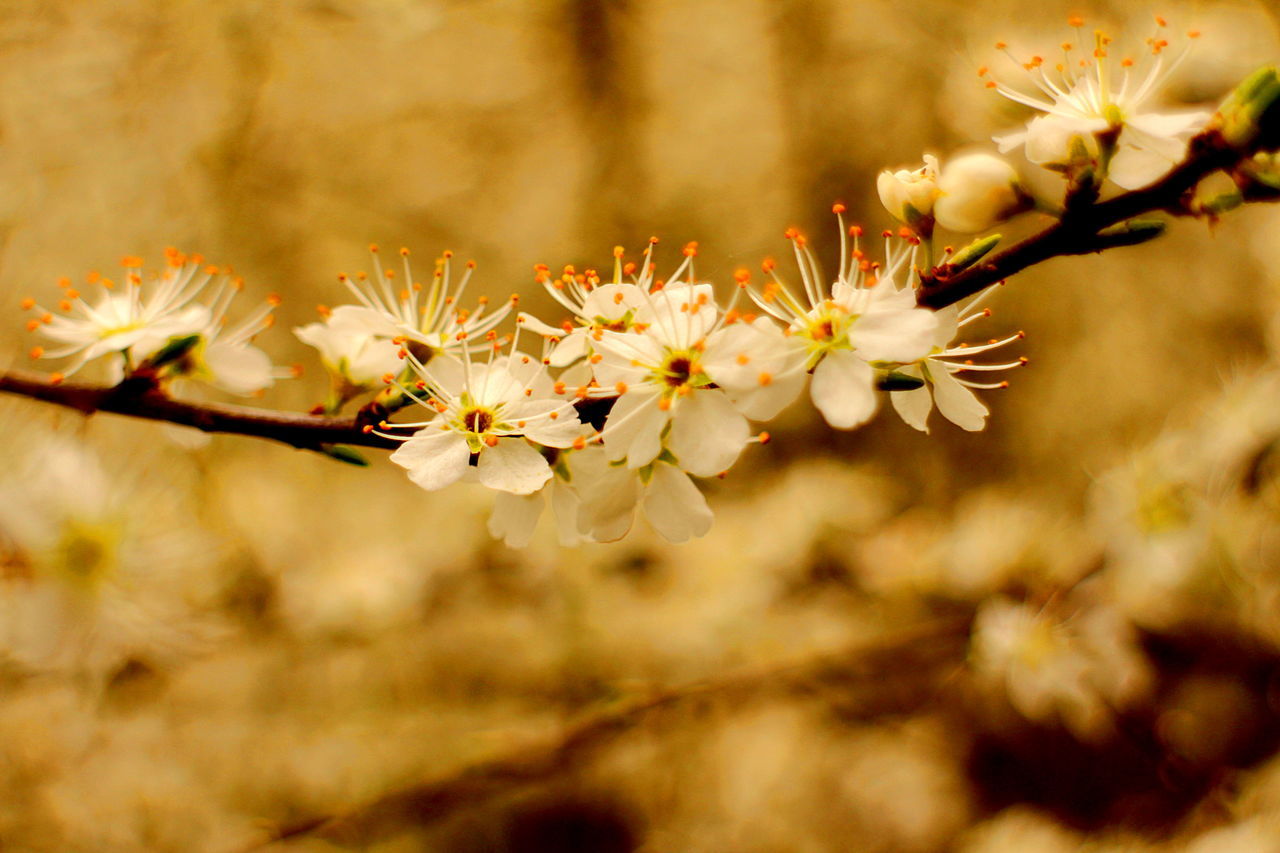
1100, 110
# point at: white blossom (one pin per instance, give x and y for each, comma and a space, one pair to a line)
868, 320
495, 412
909, 194
429, 317
1086, 94
943, 371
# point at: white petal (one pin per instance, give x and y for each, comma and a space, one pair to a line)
512, 465
957, 403
895, 335
674, 506
841, 389
571, 348
238, 369
707, 433
634, 427
913, 406
515, 517
434, 458
765, 402
608, 496
565, 503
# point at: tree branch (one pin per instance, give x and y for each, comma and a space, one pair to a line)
142, 398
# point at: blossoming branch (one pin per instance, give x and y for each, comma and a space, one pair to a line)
652, 380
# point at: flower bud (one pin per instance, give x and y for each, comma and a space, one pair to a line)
1250, 116
975, 192
909, 195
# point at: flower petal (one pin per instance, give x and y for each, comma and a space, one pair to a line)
957, 403
515, 517
841, 389
674, 506
433, 457
512, 465
707, 433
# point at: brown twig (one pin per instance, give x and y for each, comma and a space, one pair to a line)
917, 653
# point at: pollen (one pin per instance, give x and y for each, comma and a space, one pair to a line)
766, 378
621, 387
131, 262
579, 443
28, 303
664, 404
36, 352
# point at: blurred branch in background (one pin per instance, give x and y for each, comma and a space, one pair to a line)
904, 670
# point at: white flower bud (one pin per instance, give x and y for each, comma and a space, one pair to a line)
909, 195
975, 192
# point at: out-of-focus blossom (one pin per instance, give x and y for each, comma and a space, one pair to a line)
1074, 671
99, 569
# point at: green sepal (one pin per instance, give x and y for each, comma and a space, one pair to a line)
974, 252
174, 350
1130, 233
342, 453
896, 380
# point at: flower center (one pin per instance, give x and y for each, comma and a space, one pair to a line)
477, 420
678, 370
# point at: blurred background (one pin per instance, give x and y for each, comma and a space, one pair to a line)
1088, 589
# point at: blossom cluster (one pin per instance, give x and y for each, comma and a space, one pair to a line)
649, 381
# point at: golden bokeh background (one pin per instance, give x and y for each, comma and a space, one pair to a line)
361, 635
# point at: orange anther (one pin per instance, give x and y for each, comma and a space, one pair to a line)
36, 352
28, 303
664, 404
621, 387
131, 262
56, 378
743, 358
765, 438
766, 378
